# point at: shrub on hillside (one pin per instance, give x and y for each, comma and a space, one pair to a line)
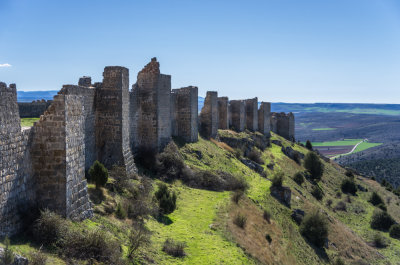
37, 258
49, 228
174, 248
339, 261
381, 220
309, 145
379, 241
267, 216
298, 178
341, 206
277, 179
236, 196
145, 157
120, 212
314, 165
382, 206
349, 173
268, 238
139, 236
170, 163
394, 231
8, 254
317, 192
315, 228
166, 199
375, 199
348, 186
98, 174
240, 220
255, 156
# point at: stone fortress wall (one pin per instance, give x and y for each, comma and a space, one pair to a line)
45, 166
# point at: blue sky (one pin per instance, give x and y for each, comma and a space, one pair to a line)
278, 50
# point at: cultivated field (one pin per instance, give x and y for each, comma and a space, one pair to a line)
343, 147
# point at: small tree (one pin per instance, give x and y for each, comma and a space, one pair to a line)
315, 228
314, 165
99, 174
166, 199
309, 145
375, 199
8, 256
381, 220
349, 186
277, 179
138, 237
394, 231
298, 178
317, 192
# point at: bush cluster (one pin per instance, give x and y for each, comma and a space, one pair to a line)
348, 186
314, 165
255, 156
98, 173
394, 231
174, 248
317, 192
315, 228
375, 199
299, 178
277, 179
309, 145
240, 220
381, 220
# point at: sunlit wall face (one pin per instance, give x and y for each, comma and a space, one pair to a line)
291, 51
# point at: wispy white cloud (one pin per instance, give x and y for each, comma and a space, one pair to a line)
5, 65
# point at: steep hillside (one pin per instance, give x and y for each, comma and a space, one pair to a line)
206, 218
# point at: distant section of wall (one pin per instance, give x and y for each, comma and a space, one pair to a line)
33, 109
237, 115
209, 116
184, 116
151, 111
283, 124
252, 114
264, 118
16, 182
223, 113
112, 119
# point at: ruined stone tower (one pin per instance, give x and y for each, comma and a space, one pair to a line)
252, 114
283, 124
264, 116
237, 115
151, 111
112, 119
209, 116
223, 113
184, 116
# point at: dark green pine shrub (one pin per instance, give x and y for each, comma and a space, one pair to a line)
379, 241
317, 192
277, 179
315, 228
314, 165
166, 199
349, 186
98, 174
381, 220
309, 145
375, 199
394, 231
298, 178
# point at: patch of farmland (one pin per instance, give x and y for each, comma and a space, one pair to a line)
330, 151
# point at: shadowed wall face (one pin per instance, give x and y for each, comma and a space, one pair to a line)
264, 116
252, 114
184, 116
223, 113
237, 115
209, 116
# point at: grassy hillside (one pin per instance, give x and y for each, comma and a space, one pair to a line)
205, 220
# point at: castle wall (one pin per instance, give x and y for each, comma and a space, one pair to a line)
16, 176
223, 113
151, 110
112, 119
252, 114
264, 116
184, 116
33, 109
283, 125
209, 116
237, 115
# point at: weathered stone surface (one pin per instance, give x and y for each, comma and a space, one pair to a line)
18, 259
252, 114
237, 115
209, 116
292, 154
282, 194
252, 165
151, 111
85, 81
223, 113
184, 115
264, 118
283, 124
112, 119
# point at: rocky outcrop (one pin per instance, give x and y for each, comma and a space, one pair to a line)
282, 194
292, 154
